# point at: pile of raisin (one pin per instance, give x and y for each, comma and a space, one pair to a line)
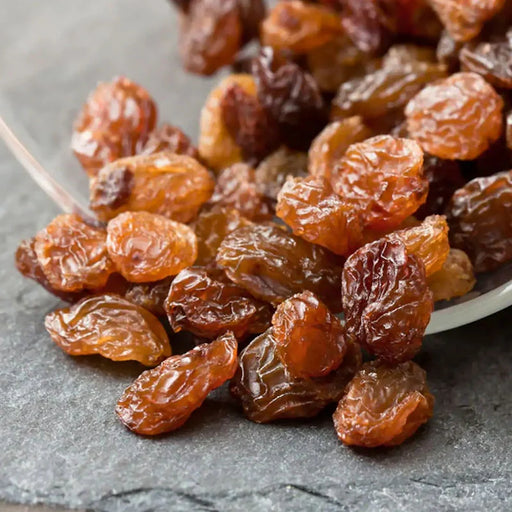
356, 161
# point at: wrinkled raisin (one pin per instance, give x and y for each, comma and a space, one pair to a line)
150, 296
169, 138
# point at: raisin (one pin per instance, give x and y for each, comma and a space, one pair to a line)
383, 176
386, 301
175, 186
216, 146
211, 227
454, 279
299, 27
384, 405
248, 123
150, 296
314, 212
73, 255
268, 392
332, 143
210, 36
273, 264
147, 247
480, 219
448, 50
417, 19
252, 13
169, 138
371, 235
115, 122
456, 118
207, 304
291, 96
464, 20
310, 340
163, 398
110, 326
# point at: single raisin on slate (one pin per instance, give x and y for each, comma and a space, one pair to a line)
169, 138
383, 177
273, 264
456, 118
480, 219
150, 296
168, 184
208, 304
268, 392
314, 212
384, 405
115, 122
110, 326
147, 247
73, 254
455, 278
386, 301
163, 398
310, 340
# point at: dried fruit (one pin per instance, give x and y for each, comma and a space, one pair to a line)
252, 13
73, 254
163, 398
147, 247
237, 188
383, 176
169, 138
310, 340
386, 301
114, 122
454, 279
268, 392
273, 264
172, 185
150, 296
110, 326
480, 219
207, 304
384, 405
456, 118
314, 212
332, 143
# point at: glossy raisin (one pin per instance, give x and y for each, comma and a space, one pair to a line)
147, 247
110, 326
163, 398
386, 301
115, 122
169, 138
150, 296
384, 405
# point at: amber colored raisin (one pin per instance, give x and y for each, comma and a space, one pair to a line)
175, 186
237, 188
448, 50
417, 19
314, 212
208, 304
371, 235
73, 254
169, 138
210, 35
291, 96
269, 392
384, 405
383, 176
299, 27
332, 143
147, 247
110, 326
250, 125
216, 146
150, 296
115, 122
163, 398
465, 19
454, 279
456, 118
428, 241
480, 219
386, 301
273, 264
310, 340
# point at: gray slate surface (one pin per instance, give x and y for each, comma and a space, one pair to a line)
60, 443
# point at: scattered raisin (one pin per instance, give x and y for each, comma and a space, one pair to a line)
169, 138
150, 296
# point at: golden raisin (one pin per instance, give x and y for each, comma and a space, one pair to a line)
150, 296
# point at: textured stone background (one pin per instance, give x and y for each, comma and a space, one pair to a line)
60, 443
